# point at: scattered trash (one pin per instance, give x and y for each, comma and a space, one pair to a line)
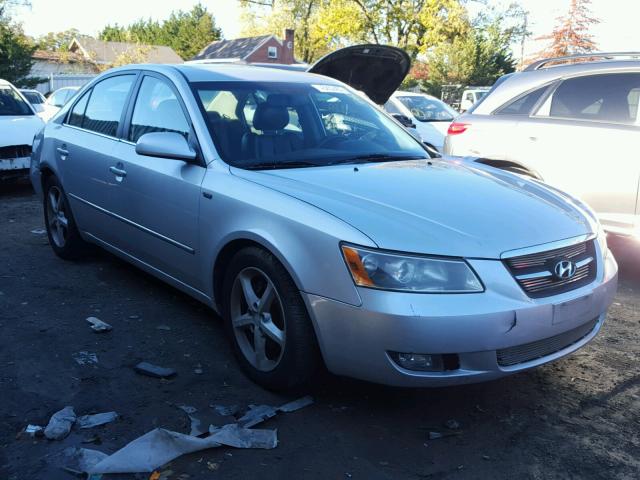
79, 460
198, 369
259, 413
213, 466
150, 370
486, 457
38, 231
160, 446
134, 317
155, 476
60, 424
233, 435
225, 411
196, 424
163, 327
98, 325
85, 358
452, 424
435, 435
90, 421
34, 430
92, 439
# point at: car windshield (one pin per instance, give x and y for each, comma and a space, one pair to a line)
11, 103
286, 125
33, 97
427, 109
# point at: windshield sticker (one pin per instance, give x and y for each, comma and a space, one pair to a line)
330, 88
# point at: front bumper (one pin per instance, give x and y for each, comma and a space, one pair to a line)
355, 340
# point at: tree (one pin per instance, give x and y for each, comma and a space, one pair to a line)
57, 41
571, 33
16, 50
186, 32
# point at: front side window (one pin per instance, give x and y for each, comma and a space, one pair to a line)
157, 109
427, 109
11, 103
273, 124
106, 104
604, 98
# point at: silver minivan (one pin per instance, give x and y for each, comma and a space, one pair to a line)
574, 125
318, 228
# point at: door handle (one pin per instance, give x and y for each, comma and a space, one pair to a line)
118, 172
62, 151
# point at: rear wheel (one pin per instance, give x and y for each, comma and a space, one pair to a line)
267, 321
61, 226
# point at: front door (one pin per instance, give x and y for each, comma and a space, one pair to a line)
159, 198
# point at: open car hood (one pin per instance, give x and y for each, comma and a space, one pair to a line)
376, 70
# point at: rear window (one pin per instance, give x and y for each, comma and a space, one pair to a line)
524, 104
33, 97
11, 103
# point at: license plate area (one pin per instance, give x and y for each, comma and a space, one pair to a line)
576, 310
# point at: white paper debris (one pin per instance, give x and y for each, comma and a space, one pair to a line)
90, 421
60, 424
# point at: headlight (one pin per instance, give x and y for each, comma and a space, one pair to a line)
388, 271
602, 242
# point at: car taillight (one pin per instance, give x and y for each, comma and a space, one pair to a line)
456, 128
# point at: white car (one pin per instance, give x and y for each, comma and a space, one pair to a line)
472, 95
18, 125
56, 101
431, 116
35, 98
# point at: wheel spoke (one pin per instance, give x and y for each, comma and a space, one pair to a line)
243, 320
266, 299
53, 201
60, 230
63, 221
272, 331
259, 347
247, 289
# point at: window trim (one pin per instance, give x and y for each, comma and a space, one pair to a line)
273, 49
89, 88
126, 125
560, 81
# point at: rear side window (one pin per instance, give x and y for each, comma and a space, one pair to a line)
106, 104
524, 104
157, 109
606, 98
76, 117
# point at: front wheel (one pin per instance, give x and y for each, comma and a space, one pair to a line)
267, 321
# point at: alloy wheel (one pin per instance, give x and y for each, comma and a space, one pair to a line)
58, 223
257, 319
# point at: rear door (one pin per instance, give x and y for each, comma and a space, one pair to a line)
583, 139
159, 198
85, 146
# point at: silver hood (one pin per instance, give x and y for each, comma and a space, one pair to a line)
435, 207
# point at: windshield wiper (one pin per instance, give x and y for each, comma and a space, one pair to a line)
377, 157
277, 165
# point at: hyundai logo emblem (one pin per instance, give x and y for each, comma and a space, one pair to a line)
564, 269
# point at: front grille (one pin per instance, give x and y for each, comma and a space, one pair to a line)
15, 151
535, 272
531, 351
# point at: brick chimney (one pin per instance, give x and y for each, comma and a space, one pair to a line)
288, 46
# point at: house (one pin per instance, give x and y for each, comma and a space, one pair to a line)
112, 53
261, 49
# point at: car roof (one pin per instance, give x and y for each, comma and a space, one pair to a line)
520, 82
246, 73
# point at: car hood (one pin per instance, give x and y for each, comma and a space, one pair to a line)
439, 207
376, 70
19, 130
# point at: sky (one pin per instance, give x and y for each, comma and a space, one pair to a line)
617, 31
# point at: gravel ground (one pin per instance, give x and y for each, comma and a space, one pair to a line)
576, 418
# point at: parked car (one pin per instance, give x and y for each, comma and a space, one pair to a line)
319, 228
430, 116
574, 126
18, 125
472, 95
57, 100
35, 98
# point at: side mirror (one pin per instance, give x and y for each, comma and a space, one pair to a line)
404, 120
165, 145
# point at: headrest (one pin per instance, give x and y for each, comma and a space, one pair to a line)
272, 114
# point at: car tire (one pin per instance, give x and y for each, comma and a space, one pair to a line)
61, 227
271, 333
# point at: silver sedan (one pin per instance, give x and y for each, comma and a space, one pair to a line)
319, 229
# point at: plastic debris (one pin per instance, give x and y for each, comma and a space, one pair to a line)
34, 430
435, 435
90, 421
213, 466
38, 231
198, 370
60, 424
160, 446
259, 413
80, 460
85, 358
163, 327
296, 404
146, 368
225, 411
98, 325
452, 424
